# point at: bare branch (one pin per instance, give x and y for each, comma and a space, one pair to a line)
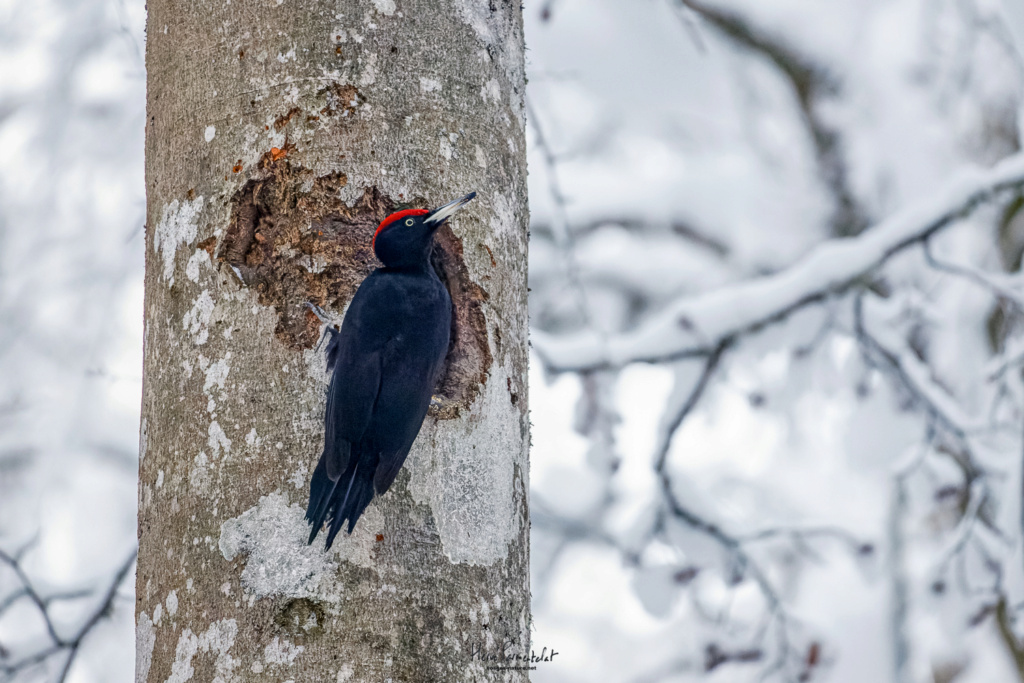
1004, 619
27, 589
732, 545
59, 644
1001, 287
674, 422
941, 410
899, 582
810, 84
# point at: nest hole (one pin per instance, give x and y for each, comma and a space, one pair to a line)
292, 240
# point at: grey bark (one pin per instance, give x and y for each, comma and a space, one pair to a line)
278, 133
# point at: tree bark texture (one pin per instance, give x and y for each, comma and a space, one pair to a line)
279, 133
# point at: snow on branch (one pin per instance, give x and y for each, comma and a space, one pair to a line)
696, 325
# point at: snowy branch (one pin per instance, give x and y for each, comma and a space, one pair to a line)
695, 326
785, 653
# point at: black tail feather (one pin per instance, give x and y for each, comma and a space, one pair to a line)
321, 491
339, 500
357, 497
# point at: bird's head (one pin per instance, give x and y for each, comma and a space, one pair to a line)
405, 237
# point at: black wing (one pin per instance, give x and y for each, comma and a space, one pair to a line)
350, 398
386, 358
409, 372
355, 353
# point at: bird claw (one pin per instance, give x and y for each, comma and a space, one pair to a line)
317, 311
321, 314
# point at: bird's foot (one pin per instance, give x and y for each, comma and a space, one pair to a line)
322, 315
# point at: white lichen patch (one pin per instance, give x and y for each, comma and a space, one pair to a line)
477, 15
172, 603
385, 7
145, 639
491, 91
280, 563
178, 225
503, 224
200, 257
345, 673
470, 486
218, 640
300, 476
446, 149
199, 479
197, 321
274, 533
291, 96
369, 75
217, 373
430, 85
217, 439
281, 652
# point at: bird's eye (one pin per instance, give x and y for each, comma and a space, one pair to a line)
409, 221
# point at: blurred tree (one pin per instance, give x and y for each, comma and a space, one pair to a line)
277, 138
828, 325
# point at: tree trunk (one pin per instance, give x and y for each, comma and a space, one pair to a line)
279, 134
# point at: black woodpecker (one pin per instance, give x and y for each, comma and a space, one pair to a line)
386, 359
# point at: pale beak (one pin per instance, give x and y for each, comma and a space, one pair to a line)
443, 213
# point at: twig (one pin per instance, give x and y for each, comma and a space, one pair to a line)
58, 644
104, 610
563, 233
731, 544
998, 289
686, 407
899, 582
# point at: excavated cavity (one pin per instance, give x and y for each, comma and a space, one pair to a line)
469, 355
292, 240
